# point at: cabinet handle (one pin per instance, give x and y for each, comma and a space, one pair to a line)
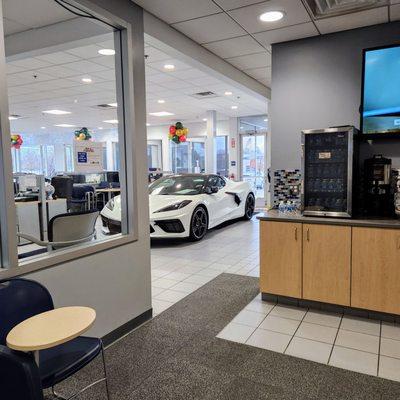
295, 234
308, 234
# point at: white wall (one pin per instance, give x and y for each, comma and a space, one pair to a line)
115, 282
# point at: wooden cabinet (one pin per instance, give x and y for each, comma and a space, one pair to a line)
280, 258
376, 269
326, 263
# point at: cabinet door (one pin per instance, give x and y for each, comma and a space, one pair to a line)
280, 258
375, 283
326, 263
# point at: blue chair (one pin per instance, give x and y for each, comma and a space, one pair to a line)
21, 299
19, 377
82, 197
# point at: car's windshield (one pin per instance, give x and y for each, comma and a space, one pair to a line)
178, 185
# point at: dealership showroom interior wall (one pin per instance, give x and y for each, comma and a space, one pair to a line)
199, 199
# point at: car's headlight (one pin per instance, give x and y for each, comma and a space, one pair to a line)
176, 206
110, 204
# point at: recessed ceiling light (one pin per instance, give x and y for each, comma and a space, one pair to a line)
228, 93
161, 114
169, 67
56, 112
65, 126
100, 127
147, 124
86, 80
75, 101
112, 104
106, 52
13, 117
160, 101
42, 127
272, 16
234, 107
111, 121
266, 120
205, 119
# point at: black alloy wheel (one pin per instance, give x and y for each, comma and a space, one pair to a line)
249, 207
198, 224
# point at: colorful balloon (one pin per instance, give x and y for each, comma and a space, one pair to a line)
182, 139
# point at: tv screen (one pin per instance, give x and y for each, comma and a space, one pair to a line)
381, 94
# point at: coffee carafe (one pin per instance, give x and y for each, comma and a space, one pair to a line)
377, 178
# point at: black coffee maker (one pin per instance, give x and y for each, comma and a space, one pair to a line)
377, 179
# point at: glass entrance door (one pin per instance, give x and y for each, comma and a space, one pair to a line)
188, 157
253, 163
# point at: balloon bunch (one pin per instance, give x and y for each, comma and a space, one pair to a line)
16, 141
178, 133
83, 134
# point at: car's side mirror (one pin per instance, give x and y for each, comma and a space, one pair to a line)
214, 189
211, 189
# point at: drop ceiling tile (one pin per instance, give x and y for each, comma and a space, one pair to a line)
234, 47
154, 54
251, 61
58, 58
106, 61
354, 20
209, 29
35, 16
285, 34
86, 52
176, 11
85, 67
192, 74
177, 85
159, 65
30, 63
395, 12
161, 78
231, 4
259, 73
57, 71
248, 17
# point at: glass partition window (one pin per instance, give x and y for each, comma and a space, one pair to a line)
154, 154
65, 104
188, 157
221, 150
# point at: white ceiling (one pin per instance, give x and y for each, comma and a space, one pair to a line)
53, 81
232, 30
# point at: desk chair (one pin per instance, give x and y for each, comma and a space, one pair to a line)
19, 378
82, 197
67, 230
63, 188
21, 299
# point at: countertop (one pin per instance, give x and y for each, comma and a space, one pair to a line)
275, 215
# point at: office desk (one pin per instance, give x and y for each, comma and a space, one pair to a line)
109, 191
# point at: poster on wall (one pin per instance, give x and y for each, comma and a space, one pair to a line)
88, 156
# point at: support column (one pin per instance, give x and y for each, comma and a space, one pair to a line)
211, 167
234, 148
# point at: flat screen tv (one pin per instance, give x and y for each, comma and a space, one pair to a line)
380, 102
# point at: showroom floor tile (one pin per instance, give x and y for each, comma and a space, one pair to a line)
357, 344
180, 267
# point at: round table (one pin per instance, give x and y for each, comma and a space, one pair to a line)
49, 329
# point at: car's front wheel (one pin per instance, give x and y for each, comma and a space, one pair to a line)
198, 224
249, 207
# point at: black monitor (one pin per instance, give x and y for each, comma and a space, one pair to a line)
112, 176
380, 102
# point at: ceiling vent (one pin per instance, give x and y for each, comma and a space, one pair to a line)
204, 95
330, 8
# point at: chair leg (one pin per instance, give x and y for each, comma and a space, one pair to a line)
104, 379
105, 371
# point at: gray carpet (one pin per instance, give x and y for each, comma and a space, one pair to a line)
176, 356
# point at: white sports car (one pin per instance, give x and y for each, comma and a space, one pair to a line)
186, 206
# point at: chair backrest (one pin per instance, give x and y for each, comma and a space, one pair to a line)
79, 191
21, 299
103, 185
72, 226
19, 377
62, 186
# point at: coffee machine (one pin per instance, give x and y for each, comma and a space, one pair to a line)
377, 180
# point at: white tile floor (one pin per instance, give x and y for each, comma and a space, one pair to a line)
362, 345
179, 268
